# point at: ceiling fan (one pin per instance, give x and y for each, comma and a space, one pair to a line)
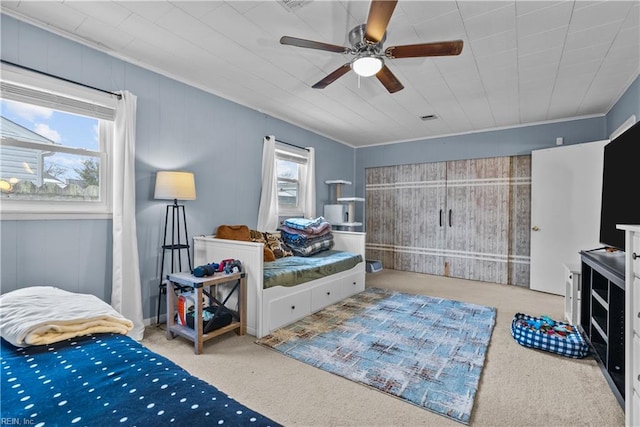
366, 45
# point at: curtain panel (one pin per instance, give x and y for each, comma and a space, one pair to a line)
309, 201
126, 292
268, 210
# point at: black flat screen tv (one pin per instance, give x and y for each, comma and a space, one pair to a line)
620, 186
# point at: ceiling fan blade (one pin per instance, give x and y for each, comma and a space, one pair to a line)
425, 49
380, 13
333, 76
389, 80
310, 44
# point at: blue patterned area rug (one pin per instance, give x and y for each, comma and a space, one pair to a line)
427, 351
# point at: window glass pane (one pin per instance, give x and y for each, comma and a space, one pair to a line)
40, 124
48, 174
50, 177
288, 183
287, 169
287, 194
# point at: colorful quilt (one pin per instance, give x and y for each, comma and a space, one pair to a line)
311, 226
297, 240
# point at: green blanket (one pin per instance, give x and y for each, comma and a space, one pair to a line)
294, 270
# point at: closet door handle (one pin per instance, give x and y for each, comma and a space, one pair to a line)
450, 210
635, 255
440, 217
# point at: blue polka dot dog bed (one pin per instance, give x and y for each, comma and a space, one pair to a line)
546, 334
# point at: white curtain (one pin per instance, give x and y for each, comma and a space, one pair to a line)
126, 292
309, 202
268, 210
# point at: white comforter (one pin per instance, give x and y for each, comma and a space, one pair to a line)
44, 314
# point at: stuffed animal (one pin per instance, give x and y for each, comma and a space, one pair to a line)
535, 324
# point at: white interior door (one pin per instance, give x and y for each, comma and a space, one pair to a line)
566, 187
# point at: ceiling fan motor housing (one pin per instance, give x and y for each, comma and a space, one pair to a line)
361, 45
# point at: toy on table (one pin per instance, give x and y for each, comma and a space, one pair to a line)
206, 270
227, 266
230, 266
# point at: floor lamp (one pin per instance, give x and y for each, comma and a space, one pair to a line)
174, 185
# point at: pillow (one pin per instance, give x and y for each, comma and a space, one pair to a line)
267, 253
275, 243
234, 232
44, 314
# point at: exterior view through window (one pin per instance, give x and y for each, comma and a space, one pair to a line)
288, 184
48, 154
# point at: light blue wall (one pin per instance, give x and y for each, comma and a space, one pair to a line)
178, 127
504, 142
628, 104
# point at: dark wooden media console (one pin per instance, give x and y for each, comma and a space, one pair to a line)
603, 313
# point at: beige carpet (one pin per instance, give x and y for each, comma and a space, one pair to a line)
518, 387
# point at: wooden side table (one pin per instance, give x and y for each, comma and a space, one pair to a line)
202, 286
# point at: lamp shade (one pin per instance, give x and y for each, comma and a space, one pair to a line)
367, 66
174, 185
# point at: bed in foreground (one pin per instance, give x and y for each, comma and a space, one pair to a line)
107, 379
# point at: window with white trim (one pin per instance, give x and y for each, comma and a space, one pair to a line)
55, 141
291, 169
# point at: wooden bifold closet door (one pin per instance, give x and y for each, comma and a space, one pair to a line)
462, 218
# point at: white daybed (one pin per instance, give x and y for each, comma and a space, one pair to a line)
269, 309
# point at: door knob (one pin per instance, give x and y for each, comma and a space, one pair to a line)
535, 228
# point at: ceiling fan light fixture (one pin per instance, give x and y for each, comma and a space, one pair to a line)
367, 66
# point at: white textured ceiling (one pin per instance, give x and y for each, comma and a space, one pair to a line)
522, 62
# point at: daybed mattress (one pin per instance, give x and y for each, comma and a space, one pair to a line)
294, 270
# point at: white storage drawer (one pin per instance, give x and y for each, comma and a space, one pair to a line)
632, 324
289, 308
352, 284
326, 294
636, 364
636, 306
635, 416
636, 250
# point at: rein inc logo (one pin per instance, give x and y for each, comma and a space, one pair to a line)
16, 421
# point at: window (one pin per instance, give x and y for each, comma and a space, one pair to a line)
291, 169
55, 140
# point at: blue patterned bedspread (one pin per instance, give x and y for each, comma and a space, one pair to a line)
109, 380
294, 270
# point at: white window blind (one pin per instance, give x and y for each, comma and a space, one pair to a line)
44, 98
